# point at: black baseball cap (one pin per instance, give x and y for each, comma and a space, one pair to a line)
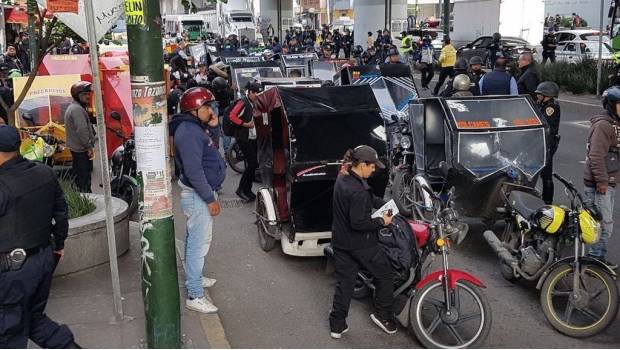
9, 139
368, 154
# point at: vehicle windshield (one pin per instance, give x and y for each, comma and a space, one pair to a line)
324, 70
486, 153
393, 97
299, 59
244, 75
493, 113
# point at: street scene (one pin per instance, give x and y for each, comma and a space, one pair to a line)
309, 174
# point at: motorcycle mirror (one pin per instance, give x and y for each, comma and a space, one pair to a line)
444, 168
115, 115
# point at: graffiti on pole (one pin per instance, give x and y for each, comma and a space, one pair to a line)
149, 110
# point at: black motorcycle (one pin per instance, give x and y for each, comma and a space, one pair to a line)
123, 179
401, 163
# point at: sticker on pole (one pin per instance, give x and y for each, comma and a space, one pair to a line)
149, 109
134, 12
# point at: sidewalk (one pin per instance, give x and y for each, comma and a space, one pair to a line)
84, 301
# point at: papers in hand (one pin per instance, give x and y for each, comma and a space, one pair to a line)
384, 209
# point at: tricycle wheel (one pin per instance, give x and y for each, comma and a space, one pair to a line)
236, 158
403, 192
265, 240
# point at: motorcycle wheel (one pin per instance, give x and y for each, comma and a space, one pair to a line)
434, 328
265, 241
574, 313
126, 190
235, 158
402, 188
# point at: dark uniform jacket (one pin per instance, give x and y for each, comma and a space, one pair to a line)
475, 77
30, 197
548, 44
528, 81
352, 227
551, 112
603, 139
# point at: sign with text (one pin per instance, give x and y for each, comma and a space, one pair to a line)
63, 6
134, 12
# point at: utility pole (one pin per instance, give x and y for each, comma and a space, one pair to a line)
160, 286
446, 18
32, 9
599, 63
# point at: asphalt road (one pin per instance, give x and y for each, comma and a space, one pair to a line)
269, 300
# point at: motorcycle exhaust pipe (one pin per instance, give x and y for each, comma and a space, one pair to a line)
498, 248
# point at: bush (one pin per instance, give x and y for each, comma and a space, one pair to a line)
576, 78
79, 204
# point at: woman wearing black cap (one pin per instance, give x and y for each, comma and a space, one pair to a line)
355, 241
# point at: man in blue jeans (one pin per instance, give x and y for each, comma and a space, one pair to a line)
602, 169
202, 174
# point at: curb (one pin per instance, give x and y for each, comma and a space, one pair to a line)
211, 323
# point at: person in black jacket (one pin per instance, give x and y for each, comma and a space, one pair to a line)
356, 244
546, 94
33, 228
528, 79
549, 44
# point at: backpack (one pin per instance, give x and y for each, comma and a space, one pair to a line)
228, 127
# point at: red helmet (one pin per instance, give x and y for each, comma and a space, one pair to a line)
195, 98
79, 87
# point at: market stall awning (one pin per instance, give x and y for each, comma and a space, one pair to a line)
65, 64
16, 15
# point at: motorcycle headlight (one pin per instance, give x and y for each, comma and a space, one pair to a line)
405, 142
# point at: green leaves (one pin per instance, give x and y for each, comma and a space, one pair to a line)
79, 204
577, 78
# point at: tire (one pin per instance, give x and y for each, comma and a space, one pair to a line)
125, 189
609, 292
423, 296
235, 158
361, 290
401, 191
265, 241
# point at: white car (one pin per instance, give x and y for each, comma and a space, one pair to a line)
577, 35
576, 51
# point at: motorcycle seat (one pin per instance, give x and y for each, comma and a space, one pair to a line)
524, 203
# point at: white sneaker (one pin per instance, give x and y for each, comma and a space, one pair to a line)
337, 335
201, 305
208, 282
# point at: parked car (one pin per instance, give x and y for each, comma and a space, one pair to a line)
513, 46
564, 36
576, 51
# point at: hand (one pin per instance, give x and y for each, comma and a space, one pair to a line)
601, 188
91, 153
60, 253
249, 124
214, 208
387, 219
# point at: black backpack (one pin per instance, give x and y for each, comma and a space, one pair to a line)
227, 126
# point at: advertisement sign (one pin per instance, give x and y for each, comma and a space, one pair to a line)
62, 6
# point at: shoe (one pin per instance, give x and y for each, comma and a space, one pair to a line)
243, 196
73, 345
208, 282
251, 195
388, 326
338, 335
201, 305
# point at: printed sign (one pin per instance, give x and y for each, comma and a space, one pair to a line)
134, 12
63, 6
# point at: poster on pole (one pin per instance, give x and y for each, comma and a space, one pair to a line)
134, 12
149, 109
56, 6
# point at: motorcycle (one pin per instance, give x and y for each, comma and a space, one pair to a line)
123, 177
401, 161
446, 308
41, 148
579, 296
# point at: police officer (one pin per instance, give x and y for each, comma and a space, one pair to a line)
356, 244
475, 74
31, 244
347, 40
549, 44
495, 49
460, 68
461, 86
546, 94
393, 56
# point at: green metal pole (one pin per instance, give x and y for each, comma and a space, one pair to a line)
446, 18
32, 8
160, 288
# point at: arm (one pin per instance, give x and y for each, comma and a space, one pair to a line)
81, 123
377, 202
599, 147
190, 150
359, 214
235, 113
442, 56
60, 228
480, 84
514, 89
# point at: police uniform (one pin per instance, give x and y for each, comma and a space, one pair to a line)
30, 197
551, 112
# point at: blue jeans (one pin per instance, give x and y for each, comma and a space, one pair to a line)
605, 203
197, 239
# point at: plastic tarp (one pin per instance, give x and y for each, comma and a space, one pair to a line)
327, 121
66, 64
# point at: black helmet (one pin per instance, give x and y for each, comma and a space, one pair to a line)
253, 86
548, 89
393, 52
611, 96
461, 64
497, 36
475, 60
219, 84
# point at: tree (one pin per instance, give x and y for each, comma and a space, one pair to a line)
48, 34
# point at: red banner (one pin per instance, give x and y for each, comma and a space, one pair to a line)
62, 6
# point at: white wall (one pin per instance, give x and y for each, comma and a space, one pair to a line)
523, 18
269, 13
369, 16
475, 18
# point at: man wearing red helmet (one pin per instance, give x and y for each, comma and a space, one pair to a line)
202, 174
80, 135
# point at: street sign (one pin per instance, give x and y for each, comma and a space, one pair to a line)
106, 14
